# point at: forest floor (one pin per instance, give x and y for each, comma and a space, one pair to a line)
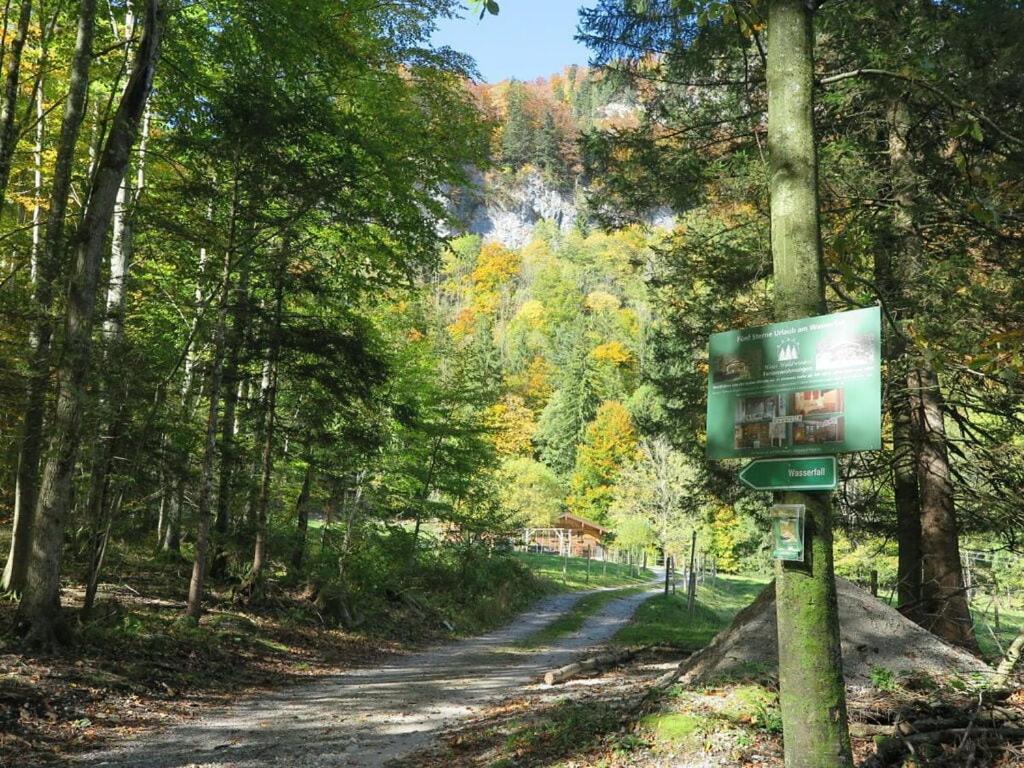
634, 716
252, 690
134, 666
368, 716
139, 668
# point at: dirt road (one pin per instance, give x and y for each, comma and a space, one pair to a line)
367, 717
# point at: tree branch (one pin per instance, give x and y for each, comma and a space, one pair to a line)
961, 105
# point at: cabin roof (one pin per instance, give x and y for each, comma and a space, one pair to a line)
581, 523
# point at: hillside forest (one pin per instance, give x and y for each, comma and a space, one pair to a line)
258, 351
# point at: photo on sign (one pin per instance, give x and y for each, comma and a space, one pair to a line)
813, 402
821, 416
820, 431
756, 422
845, 352
757, 435
726, 368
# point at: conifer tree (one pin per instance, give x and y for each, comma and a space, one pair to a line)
548, 154
517, 135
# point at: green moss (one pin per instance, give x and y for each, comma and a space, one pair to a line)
673, 728
273, 645
754, 705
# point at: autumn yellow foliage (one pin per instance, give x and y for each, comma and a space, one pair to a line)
464, 323
602, 301
513, 426
532, 315
609, 443
613, 352
495, 265
535, 383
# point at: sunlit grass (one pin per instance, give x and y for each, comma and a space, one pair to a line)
665, 621
994, 642
575, 619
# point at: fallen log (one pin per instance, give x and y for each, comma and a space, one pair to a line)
1010, 662
604, 661
953, 734
920, 727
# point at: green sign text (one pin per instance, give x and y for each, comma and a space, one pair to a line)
814, 473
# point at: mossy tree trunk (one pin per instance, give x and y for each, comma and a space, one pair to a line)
812, 692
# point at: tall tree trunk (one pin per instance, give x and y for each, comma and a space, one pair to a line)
48, 269
302, 518
908, 506
8, 110
350, 512
424, 493
256, 414
197, 584
812, 693
21, 530
893, 265
40, 605
113, 386
945, 609
171, 541
37, 178
270, 412
189, 403
235, 337
930, 576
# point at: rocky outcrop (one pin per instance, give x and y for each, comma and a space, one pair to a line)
507, 209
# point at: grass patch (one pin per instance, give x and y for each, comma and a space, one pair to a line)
754, 705
573, 620
550, 567
664, 620
994, 642
883, 679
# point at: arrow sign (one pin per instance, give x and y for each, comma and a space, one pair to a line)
813, 473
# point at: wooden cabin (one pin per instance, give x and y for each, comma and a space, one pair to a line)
570, 534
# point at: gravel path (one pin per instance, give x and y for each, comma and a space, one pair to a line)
367, 717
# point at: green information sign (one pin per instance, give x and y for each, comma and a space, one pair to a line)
809, 386
815, 473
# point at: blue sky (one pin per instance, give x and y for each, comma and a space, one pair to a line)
528, 39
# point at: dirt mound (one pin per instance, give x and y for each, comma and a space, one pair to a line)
874, 636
